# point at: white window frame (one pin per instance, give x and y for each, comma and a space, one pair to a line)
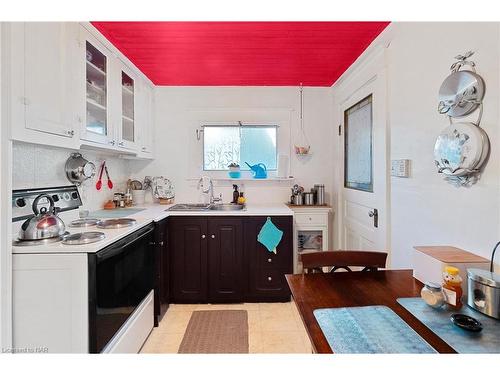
235, 125
281, 117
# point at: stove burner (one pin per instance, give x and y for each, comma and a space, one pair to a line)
116, 223
84, 223
83, 238
43, 241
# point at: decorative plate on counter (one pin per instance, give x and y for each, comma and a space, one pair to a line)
461, 149
163, 188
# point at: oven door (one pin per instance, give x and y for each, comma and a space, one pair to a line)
120, 278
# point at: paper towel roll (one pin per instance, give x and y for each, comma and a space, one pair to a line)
283, 165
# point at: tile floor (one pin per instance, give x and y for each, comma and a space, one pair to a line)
272, 328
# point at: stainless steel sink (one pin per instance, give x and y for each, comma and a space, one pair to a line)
189, 207
206, 207
226, 207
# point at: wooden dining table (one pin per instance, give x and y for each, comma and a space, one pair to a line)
347, 289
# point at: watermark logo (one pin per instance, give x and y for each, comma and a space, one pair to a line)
29, 350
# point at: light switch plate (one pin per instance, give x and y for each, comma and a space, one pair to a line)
400, 168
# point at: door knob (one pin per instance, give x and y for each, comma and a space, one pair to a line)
374, 214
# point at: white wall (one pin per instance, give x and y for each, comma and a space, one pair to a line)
426, 210
180, 110
42, 166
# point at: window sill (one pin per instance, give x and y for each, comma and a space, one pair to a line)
245, 179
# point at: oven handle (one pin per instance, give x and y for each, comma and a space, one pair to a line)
113, 251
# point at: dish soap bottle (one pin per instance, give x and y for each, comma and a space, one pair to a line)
236, 194
452, 287
241, 199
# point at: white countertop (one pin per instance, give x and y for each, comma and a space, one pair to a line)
151, 213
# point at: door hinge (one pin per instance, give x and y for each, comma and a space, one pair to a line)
340, 129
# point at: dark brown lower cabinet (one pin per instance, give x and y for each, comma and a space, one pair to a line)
162, 268
218, 259
188, 259
225, 259
266, 271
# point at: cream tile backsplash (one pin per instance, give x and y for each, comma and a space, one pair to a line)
42, 166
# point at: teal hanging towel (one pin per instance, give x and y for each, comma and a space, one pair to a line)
270, 236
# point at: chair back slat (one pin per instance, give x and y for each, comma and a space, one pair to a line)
343, 259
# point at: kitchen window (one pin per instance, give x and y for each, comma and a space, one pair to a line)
226, 144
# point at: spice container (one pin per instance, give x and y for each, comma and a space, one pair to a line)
128, 199
452, 287
433, 295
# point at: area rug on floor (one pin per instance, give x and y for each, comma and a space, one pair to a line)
216, 331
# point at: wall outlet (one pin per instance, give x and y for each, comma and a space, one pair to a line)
400, 168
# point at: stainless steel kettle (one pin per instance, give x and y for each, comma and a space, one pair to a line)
45, 223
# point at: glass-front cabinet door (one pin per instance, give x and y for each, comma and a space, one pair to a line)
97, 63
128, 94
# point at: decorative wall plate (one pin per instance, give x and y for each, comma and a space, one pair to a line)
461, 149
162, 188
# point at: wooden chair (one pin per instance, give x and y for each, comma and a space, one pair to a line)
343, 259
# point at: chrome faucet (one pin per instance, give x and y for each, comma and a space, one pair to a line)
209, 191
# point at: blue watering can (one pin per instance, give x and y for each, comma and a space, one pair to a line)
259, 170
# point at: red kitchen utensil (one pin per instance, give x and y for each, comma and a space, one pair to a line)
98, 185
110, 184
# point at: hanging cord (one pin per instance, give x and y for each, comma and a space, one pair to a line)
301, 108
493, 256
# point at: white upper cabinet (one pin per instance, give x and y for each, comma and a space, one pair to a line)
69, 87
43, 75
144, 120
95, 62
127, 135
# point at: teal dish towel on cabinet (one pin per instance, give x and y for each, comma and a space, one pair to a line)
270, 236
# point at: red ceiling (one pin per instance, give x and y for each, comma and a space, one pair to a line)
241, 53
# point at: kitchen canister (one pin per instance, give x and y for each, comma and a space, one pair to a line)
296, 200
484, 291
138, 197
320, 194
308, 198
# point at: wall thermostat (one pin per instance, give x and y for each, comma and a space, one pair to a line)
400, 168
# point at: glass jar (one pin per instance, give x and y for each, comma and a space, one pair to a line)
433, 295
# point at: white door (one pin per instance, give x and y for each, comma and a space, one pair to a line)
363, 176
49, 68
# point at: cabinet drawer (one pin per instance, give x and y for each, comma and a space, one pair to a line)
319, 219
267, 259
270, 281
